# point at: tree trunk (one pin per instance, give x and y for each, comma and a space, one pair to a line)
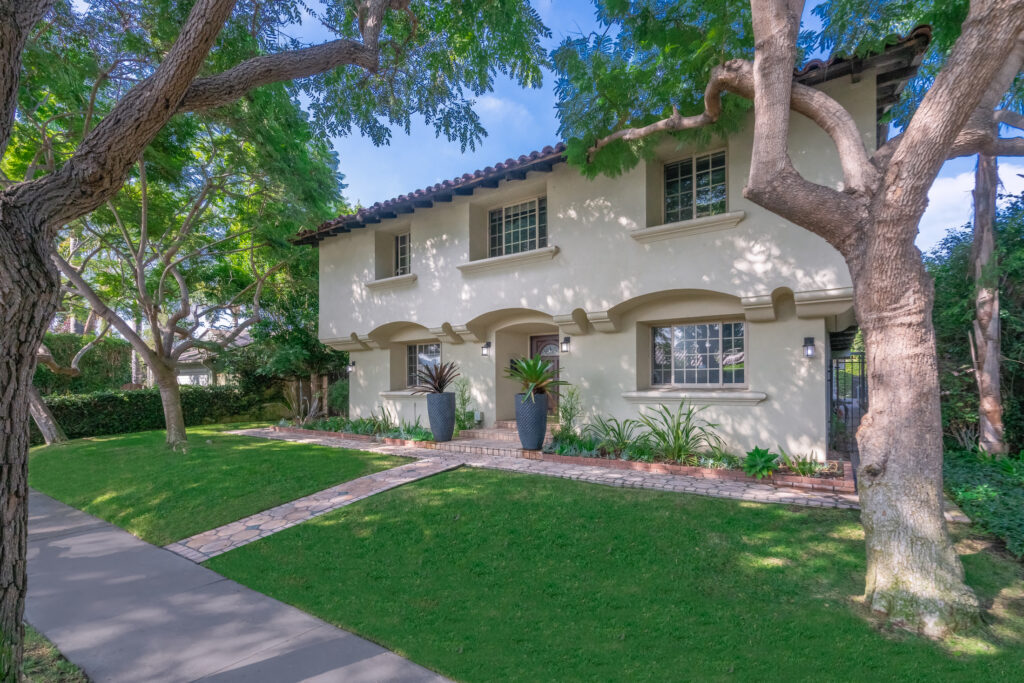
986, 338
170, 397
29, 292
914, 574
45, 421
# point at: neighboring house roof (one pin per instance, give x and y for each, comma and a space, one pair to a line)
896, 65
198, 355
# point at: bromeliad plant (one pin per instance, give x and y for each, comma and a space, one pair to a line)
680, 435
435, 379
535, 375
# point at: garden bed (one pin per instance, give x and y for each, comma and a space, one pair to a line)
839, 483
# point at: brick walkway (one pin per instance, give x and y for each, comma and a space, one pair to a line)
202, 547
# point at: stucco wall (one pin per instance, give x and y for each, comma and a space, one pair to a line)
603, 286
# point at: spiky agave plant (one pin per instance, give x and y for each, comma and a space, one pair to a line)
536, 375
434, 379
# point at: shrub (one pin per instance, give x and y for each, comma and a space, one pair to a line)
105, 367
120, 412
614, 436
569, 409
803, 465
640, 450
680, 435
464, 418
720, 459
413, 431
566, 442
337, 396
990, 493
760, 463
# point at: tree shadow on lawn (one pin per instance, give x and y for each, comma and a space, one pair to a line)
481, 575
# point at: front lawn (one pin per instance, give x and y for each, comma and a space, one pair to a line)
43, 663
137, 483
485, 575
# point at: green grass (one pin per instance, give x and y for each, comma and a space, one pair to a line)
485, 575
137, 483
43, 663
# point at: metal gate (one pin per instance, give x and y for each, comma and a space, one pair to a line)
848, 401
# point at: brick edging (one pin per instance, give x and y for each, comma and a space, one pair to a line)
837, 485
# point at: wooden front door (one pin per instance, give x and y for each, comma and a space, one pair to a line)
547, 346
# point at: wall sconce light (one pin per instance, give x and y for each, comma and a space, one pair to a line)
565, 345
808, 347
485, 350
351, 367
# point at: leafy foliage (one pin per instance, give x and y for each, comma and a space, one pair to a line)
535, 376
950, 266
803, 464
990, 493
615, 436
570, 408
464, 418
652, 55
434, 379
680, 435
120, 412
760, 463
105, 367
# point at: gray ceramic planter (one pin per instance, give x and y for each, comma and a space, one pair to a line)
532, 420
441, 413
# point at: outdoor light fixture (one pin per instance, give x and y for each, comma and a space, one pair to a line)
565, 345
351, 367
808, 347
485, 350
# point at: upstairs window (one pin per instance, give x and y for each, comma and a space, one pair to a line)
701, 354
420, 356
402, 256
518, 227
695, 187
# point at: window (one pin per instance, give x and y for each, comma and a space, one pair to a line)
402, 254
706, 354
518, 227
420, 356
695, 187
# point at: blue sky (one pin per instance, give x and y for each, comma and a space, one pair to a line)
519, 121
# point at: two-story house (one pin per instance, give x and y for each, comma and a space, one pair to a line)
659, 286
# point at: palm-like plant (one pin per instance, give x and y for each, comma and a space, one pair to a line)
681, 434
536, 375
434, 379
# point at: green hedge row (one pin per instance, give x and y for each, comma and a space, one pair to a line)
120, 412
104, 368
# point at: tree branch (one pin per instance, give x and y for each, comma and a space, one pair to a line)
228, 86
17, 17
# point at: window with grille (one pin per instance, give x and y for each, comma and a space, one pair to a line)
402, 256
701, 354
420, 356
518, 227
695, 187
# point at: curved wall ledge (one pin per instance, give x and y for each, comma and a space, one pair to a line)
717, 397
695, 226
542, 254
391, 282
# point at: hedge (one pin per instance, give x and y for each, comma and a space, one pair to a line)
991, 493
120, 412
104, 368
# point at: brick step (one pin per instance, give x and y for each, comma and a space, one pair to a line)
511, 424
490, 434
483, 447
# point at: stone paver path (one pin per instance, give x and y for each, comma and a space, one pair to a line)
202, 547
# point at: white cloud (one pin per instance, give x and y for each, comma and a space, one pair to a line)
950, 204
495, 110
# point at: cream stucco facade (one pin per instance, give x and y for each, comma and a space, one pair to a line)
611, 270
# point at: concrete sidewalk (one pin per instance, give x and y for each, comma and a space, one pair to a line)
125, 610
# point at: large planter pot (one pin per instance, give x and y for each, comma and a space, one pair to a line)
441, 413
532, 420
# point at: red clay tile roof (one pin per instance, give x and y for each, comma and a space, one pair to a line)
896, 64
